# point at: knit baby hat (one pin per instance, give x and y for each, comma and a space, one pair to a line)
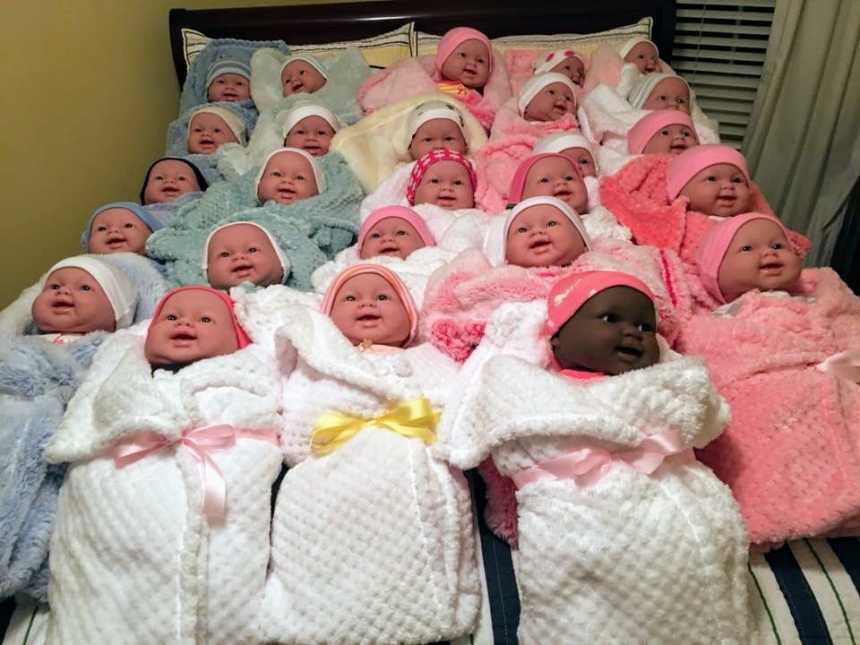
453, 38
386, 274
236, 125
201, 180
686, 165
242, 338
401, 212
567, 295
558, 141
536, 83
120, 291
226, 66
646, 127
154, 223
431, 158
545, 63
631, 43
310, 60
429, 111
714, 246
318, 175
311, 109
639, 94
285, 265
518, 182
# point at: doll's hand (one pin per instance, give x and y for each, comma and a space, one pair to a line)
844, 365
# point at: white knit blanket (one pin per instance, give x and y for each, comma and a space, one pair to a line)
632, 558
373, 542
133, 556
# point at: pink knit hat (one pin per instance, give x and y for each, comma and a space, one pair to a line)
646, 127
713, 247
401, 212
693, 160
454, 38
518, 183
242, 339
427, 160
386, 274
571, 292
547, 61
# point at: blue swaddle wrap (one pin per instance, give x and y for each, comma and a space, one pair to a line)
177, 133
195, 89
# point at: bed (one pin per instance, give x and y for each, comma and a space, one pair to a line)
804, 592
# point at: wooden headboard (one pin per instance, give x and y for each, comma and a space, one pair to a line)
312, 24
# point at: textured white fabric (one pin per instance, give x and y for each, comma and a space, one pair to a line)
632, 558
132, 555
263, 311
390, 192
372, 543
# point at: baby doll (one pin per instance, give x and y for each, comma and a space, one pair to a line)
311, 128
169, 178
435, 125
161, 504
608, 490
361, 402
289, 175
444, 178
618, 70
118, 227
575, 147
228, 81
243, 252
777, 346
210, 127
562, 61
661, 92
545, 97
302, 73
713, 178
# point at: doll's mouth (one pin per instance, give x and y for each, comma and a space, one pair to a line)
726, 200
678, 148
170, 190
539, 245
242, 270
771, 268
182, 337
313, 148
115, 242
369, 318
286, 195
62, 305
628, 352
562, 194
296, 86
389, 249
206, 141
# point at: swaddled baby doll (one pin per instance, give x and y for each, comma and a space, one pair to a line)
289, 175
575, 147
782, 346
619, 69
623, 536
562, 61
50, 334
361, 402
228, 81
311, 128
243, 252
120, 227
163, 519
211, 127
302, 73
170, 178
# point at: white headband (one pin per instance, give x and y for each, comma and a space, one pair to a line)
558, 141
639, 93
318, 176
630, 44
433, 110
545, 63
120, 291
310, 60
233, 121
292, 117
536, 83
285, 268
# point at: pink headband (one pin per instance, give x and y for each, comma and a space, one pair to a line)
401, 212
713, 247
571, 292
546, 62
386, 274
242, 338
518, 183
646, 127
454, 38
427, 160
693, 160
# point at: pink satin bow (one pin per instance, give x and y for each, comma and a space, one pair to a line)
586, 466
201, 442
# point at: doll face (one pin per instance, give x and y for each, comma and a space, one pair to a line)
72, 302
469, 64
192, 325
720, 190
367, 308
613, 332
230, 88
300, 76
168, 180
551, 103
117, 229
391, 236
288, 177
556, 177
572, 68
446, 184
313, 134
543, 236
581, 159
669, 94
207, 133
437, 134
644, 56
671, 140
759, 257
242, 253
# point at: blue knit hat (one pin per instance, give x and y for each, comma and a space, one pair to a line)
147, 217
225, 66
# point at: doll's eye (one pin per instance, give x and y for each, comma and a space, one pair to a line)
205, 319
382, 297
128, 225
777, 246
737, 179
462, 54
277, 173
646, 328
300, 177
710, 178
521, 229
746, 248
375, 236
543, 180
402, 233
568, 177
349, 298
253, 249
171, 317
609, 318
458, 182
224, 254
53, 286
301, 72
665, 133
101, 227
434, 180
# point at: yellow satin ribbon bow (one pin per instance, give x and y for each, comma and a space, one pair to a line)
453, 88
415, 419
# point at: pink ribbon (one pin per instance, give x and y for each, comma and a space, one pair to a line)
586, 466
201, 442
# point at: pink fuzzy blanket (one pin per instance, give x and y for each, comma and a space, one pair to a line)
416, 76
791, 453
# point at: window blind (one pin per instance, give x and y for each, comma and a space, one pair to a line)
720, 48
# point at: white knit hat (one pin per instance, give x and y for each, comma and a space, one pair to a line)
558, 141
318, 175
285, 265
237, 127
536, 83
310, 60
292, 117
432, 110
120, 291
630, 44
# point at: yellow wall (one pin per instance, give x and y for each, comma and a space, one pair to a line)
89, 89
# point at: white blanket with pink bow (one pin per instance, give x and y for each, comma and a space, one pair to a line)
162, 529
